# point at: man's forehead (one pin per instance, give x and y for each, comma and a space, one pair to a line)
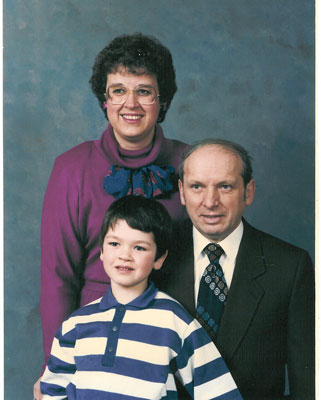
214, 178
213, 155
213, 148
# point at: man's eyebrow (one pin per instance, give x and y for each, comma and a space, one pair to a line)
194, 179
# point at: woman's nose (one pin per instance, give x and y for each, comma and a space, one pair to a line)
131, 100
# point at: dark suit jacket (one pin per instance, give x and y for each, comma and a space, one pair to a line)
268, 320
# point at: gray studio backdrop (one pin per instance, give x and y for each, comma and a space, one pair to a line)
245, 72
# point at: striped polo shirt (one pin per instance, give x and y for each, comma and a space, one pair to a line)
107, 350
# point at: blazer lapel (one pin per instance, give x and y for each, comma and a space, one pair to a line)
244, 295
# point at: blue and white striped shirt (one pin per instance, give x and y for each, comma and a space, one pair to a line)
108, 350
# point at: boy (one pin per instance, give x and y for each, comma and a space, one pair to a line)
130, 343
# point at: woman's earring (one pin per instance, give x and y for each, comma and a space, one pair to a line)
105, 106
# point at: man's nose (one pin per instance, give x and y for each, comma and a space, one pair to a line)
211, 197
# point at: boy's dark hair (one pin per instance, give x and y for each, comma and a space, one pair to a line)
138, 54
143, 214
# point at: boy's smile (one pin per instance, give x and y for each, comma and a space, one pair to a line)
129, 257
120, 268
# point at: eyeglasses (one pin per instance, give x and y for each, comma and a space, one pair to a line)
145, 95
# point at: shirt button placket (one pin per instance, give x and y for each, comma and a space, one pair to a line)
113, 336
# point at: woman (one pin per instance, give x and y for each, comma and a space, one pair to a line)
134, 81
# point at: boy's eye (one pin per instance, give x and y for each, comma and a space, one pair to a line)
114, 244
140, 248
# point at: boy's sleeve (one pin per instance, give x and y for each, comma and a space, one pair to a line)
201, 369
60, 368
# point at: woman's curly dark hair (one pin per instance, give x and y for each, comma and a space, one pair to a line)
136, 53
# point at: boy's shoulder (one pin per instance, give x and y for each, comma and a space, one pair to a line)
83, 314
163, 301
88, 309
162, 295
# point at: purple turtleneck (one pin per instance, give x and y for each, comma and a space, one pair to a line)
74, 206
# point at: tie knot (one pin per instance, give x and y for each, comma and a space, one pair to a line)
213, 251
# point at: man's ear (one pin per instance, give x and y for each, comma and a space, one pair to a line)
159, 262
249, 192
181, 192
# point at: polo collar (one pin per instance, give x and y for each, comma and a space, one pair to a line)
143, 301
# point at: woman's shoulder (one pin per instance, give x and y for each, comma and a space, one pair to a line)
171, 151
77, 152
76, 159
81, 157
175, 144
170, 144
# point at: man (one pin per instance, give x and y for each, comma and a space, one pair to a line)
267, 320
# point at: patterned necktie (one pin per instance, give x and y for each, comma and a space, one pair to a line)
212, 292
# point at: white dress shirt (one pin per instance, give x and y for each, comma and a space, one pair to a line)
230, 245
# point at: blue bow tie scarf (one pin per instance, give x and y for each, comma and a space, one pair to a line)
212, 292
149, 181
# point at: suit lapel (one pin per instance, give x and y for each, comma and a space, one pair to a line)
244, 295
180, 284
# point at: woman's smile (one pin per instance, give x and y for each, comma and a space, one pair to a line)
133, 123
132, 117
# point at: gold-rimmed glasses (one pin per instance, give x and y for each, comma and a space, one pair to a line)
144, 94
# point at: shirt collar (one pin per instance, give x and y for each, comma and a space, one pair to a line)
230, 244
108, 300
